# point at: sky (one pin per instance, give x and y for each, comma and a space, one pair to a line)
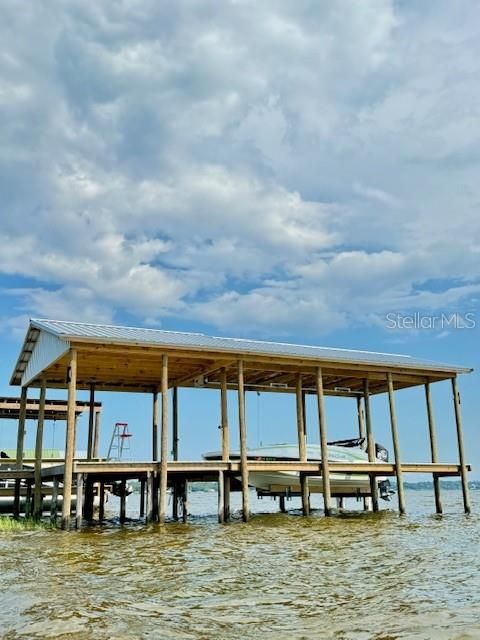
300, 172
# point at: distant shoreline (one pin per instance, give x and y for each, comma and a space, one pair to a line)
449, 485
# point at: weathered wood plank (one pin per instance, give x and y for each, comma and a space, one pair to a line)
433, 446
70, 440
396, 446
37, 501
370, 442
164, 441
325, 465
243, 443
461, 449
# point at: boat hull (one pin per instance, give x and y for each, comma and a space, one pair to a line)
288, 482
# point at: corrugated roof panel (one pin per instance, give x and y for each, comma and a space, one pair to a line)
154, 337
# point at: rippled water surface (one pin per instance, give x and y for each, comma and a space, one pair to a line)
352, 576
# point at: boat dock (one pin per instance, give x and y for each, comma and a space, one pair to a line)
75, 356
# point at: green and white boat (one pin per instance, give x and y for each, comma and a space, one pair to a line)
288, 482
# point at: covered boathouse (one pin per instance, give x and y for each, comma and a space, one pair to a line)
78, 356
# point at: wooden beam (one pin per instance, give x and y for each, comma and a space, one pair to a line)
96, 437
88, 498
91, 422
211, 467
302, 444
184, 494
360, 417
322, 421
362, 435
101, 507
243, 443
37, 501
164, 441
69, 440
433, 446
175, 448
370, 442
225, 442
54, 501
221, 505
418, 375
396, 446
142, 497
79, 507
175, 423
28, 499
155, 426
461, 451
123, 500
20, 444
224, 417
150, 483
202, 371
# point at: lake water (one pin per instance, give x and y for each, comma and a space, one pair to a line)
353, 576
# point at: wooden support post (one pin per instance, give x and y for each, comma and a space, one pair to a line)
327, 499
155, 496
304, 409
28, 499
461, 450
302, 445
362, 435
175, 495
70, 439
243, 443
396, 446
88, 509
123, 500
226, 496
150, 483
164, 441
37, 502
282, 504
185, 501
225, 443
155, 427
96, 437
433, 447
91, 423
175, 423
20, 441
361, 423
221, 505
79, 507
101, 507
54, 501
175, 449
142, 498
370, 443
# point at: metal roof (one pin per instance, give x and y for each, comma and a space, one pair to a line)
71, 331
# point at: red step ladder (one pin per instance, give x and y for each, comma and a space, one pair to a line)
120, 442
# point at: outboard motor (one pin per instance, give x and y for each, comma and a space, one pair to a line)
384, 488
381, 453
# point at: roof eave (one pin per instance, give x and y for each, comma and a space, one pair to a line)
30, 337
